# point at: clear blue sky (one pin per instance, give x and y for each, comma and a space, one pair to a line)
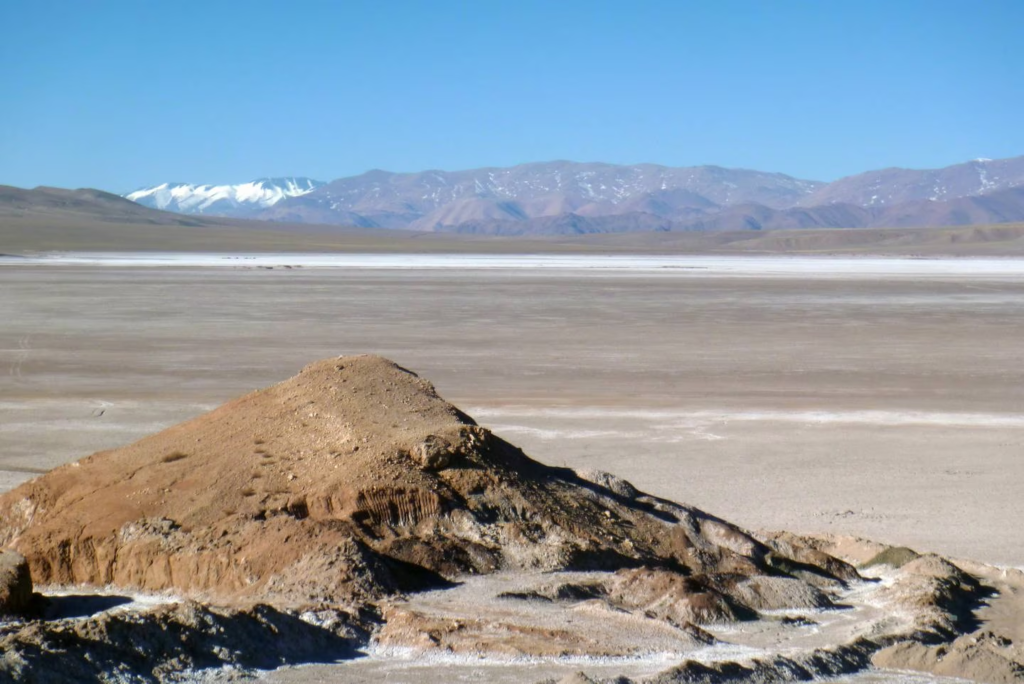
121, 94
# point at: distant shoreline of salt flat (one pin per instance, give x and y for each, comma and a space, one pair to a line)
676, 265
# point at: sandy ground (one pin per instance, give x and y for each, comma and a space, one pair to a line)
889, 406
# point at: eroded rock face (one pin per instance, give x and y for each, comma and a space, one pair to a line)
982, 657
15, 584
350, 481
161, 644
685, 599
800, 667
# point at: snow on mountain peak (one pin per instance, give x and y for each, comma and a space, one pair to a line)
230, 200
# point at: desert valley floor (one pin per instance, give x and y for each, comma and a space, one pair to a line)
880, 398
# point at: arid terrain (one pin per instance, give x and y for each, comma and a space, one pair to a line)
886, 406
884, 402
512, 343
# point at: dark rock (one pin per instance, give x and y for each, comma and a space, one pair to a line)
15, 584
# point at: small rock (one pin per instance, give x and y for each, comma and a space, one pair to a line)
433, 453
613, 483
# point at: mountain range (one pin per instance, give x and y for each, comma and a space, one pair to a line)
572, 198
47, 219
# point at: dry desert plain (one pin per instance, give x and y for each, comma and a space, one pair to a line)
882, 398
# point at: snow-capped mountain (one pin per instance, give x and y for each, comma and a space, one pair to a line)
239, 200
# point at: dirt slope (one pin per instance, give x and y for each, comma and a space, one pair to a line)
353, 479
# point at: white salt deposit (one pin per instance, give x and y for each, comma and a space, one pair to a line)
676, 266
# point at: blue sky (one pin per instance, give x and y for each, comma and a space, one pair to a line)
117, 95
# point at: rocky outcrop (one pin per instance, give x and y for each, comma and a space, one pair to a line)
823, 662
982, 657
15, 584
164, 643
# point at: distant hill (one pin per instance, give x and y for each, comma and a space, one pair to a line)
45, 219
568, 198
897, 186
998, 207
435, 199
75, 205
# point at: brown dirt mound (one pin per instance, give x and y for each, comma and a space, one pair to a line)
351, 480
